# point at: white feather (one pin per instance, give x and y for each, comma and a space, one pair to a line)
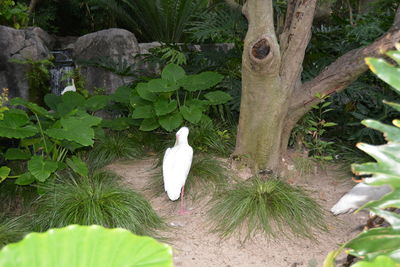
358, 196
71, 88
176, 164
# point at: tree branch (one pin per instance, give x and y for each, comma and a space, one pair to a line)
342, 72
295, 38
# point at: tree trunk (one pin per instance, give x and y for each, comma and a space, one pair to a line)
273, 96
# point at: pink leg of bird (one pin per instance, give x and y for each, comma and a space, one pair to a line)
182, 210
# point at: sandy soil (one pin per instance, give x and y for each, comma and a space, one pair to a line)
194, 246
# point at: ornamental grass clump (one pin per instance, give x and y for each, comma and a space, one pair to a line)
98, 199
12, 229
271, 206
113, 147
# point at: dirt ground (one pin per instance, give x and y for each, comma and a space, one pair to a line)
193, 245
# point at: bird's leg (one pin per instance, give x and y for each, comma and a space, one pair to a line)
182, 209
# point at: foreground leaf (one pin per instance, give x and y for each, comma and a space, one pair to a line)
16, 124
380, 261
171, 121
375, 242
94, 245
202, 81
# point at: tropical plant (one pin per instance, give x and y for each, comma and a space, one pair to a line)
13, 14
163, 102
163, 21
271, 207
219, 24
96, 199
102, 247
380, 244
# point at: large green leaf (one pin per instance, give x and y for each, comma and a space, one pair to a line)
375, 242
191, 113
171, 121
117, 124
380, 261
202, 81
173, 73
121, 95
144, 92
4, 172
391, 200
25, 179
391, 133
32, 106
52, 101
218, 97
163, 106
143, 112
76, 128
385, 71
16, 124
17, 154
387, 165
161, 86
97, 102
70, 101
86, 246
78, 166
41, 168
149, 124
395, 55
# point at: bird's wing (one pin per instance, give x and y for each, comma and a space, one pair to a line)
167, 167
177, 166
358, 196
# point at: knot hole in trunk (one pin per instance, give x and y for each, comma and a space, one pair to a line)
261, 49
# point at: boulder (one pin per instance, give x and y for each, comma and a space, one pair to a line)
111, 45
30, 43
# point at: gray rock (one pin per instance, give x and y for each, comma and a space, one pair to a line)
30, 43
113, 44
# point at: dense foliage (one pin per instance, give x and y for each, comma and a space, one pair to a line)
380, 244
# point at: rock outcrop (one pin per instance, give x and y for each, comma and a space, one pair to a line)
31, 43
111, 45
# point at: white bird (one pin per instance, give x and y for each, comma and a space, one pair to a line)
176, 165
359, 195
69, 88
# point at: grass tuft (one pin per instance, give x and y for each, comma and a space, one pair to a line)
271, 206
12, 229
113, 147
206, 173
98, 200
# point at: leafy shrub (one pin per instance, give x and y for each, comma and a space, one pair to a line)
98, 199
265, 206
13, 14
162, 102
102, 247
380, 244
